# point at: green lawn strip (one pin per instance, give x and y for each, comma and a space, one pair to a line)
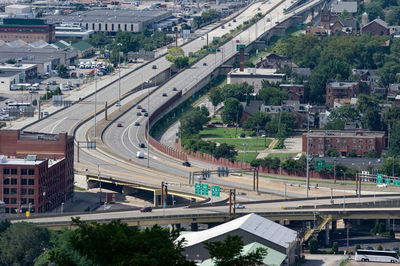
246, 156
281, 156
79, 188
251, 143
222, 132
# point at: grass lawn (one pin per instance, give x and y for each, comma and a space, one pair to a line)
251, 142
248, 156
281, 156
221, 132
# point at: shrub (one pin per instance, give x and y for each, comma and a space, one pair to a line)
313, 246
335, 247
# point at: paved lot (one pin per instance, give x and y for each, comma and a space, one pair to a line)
323, 259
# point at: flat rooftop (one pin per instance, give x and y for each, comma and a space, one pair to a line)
17, 66
18, 161
344, 134
256, 72
110, 16
6, 74
37, 136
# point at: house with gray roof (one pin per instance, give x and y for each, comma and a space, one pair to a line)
339, 6
377, 27
251, 228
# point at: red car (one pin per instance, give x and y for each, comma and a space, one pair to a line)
146, 209
143, 110
119, 125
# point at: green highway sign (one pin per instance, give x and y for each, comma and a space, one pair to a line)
320, 165
204, 189
215, 191
197, 188
212, 51
238, 46
396, 182
387, 181
330, 166
379, 178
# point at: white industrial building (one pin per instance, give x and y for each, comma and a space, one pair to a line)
252, 228
8, 78
254, 76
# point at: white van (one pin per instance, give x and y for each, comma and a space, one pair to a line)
140, 155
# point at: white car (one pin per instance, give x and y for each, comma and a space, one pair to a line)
239, 206
297, 157
382, 185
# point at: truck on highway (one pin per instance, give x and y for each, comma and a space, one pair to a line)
140, 155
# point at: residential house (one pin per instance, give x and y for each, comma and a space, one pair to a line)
295, 91
377, 27
345, 26
250, 108
341, 90
338, 7
274, 61
84, 49
318, 31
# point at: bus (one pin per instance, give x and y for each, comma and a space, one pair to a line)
376, 255
19, 106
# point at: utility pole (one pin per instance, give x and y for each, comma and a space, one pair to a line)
308, 163
148, 126
119, 76
95, 103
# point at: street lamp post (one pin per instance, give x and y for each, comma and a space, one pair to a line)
344, 188
95, 102
119, 76
308, 148
148, 126
62, 207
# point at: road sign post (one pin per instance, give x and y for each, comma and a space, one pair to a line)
212, 51
238, 46
320, 165
379, 179
204, 189
197, 188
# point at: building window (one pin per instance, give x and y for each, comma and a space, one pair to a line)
6, 181
320, 140
32, 201
31, 171
13, 191
14, 171
14, 181
31, 182
125, 27
106, 27
24, 171
6, 191
119, 26
92, 26
13, 201
6, 200
24, 181
337, 140
23, 201
112, 27
371, 141
131, 27
99, 27
31, 191
354, 140
23, 191
344, 140
6, 171
361, 141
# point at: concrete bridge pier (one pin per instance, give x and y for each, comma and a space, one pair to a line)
334, 225
126, 190
388, 227
327, 234
194, 227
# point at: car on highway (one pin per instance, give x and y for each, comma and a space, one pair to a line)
117, 104
146, 114
141, 145
119, 124
234, 20
143, 110
154, 67
268, 20
223, 27
146, 209
140, 155
45, 113
240, 206
139, 107
174, 89
138, 113
237, 41
137, 124
204, 64
164, 94
187, 164
382, 185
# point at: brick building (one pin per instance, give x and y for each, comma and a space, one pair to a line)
341, 90
295, 92
377, 27
344, 141
36, 170
28, 30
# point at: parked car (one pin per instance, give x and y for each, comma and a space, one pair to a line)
239, 206
141, 145
140, 155
297, 157
204, 64
242, 135
119, 125
137, 124
210, 125
234, 20
143, 110
146, 209
187, 164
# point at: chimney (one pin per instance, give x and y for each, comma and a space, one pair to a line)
241, 58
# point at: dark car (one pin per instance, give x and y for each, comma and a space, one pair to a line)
139, 107
143, 110
187, 164
146, 114
137, 124
234, 20
204, 64
210, 125
164, 94
174, 89
154, 67
138, 113
242, 135
146, 209
141, 145
119, 125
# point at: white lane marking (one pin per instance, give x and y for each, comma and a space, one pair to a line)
56, 125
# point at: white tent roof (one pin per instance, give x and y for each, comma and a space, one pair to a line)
251, 223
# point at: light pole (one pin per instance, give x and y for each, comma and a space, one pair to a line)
344, 188
148, 125
308, 148
95, 102
244, 154
62, 207
119, 76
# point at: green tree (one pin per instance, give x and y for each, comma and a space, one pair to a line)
335, 125
232, 111
193, 122
215, 96
357, 247
345, 113
394, 149
284, 122
379, 247
393, 16
241, 92
22, 243
174, 53
313, 246
331, 152
257, 121
228, 252
345, 15
99, 39
371, 119
225, 151
62, 70
11, 61
352, 153
374, 10
116, 243
335, 248
272, 95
